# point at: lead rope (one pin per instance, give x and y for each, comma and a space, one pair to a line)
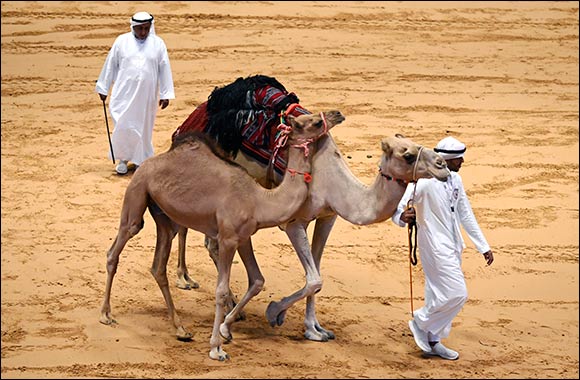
412, 229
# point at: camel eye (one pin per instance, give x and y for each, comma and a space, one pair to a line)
409, 158
318, 124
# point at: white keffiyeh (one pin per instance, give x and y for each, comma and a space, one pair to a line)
450, 148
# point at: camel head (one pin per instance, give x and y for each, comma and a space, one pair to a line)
310, 127
408, 161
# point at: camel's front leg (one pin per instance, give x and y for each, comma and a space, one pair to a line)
166, 230
227, 249
212, 247
183, 279
321, 233
255, 286
276, 311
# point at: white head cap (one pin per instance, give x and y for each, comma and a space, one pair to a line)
142, 18
450, 148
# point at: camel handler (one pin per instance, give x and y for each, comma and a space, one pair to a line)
441, 207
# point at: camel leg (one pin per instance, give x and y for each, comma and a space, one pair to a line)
166, 230
276, 311
184, 281
130, 225
212, 247
227, 250
313, 329
255, 286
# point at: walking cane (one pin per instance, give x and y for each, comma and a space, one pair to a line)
108, 133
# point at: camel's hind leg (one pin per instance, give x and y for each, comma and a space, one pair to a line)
184, 281
166, 230
255, 286
131, 223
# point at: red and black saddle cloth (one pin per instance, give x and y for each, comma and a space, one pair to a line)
244, 115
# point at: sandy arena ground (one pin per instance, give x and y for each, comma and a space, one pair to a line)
501, 76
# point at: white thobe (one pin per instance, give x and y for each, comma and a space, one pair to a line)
441, 207
141, 72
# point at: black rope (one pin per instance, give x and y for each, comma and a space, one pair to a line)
412, 234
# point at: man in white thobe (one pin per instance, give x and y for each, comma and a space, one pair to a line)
138, 64
439, 210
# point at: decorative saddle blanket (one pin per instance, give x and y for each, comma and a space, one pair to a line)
244, 115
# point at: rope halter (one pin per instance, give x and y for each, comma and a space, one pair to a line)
403, 182
284, 130
416, 163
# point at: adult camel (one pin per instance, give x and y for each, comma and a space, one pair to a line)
334, 191
218, 199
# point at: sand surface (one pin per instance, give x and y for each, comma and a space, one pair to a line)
500, 76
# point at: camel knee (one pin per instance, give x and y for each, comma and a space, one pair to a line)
134, 228
257, 286
160, 277
222, 295
112, 263
313, 287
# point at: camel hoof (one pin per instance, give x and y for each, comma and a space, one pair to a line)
187, 284
107, 320
329, 334
273, 317
225, 333
315, 336
187, 338
183, 335
218, 354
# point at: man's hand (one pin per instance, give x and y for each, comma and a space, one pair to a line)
103, 97
164, 103
408, 216
488, 257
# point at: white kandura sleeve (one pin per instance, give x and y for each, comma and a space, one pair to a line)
109, 72
468, 221
396, 218
166, 90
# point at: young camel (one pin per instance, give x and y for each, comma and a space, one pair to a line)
219, 199
335, 191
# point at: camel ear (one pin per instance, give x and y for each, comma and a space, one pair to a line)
400, 136
385, 146
293, 123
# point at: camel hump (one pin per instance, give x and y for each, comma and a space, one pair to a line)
197, 137
192, 138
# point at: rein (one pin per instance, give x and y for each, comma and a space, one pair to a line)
412, 230
411, 226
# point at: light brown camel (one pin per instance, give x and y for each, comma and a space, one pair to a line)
219, 199
335, 191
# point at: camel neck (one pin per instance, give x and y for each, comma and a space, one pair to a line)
282, 202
